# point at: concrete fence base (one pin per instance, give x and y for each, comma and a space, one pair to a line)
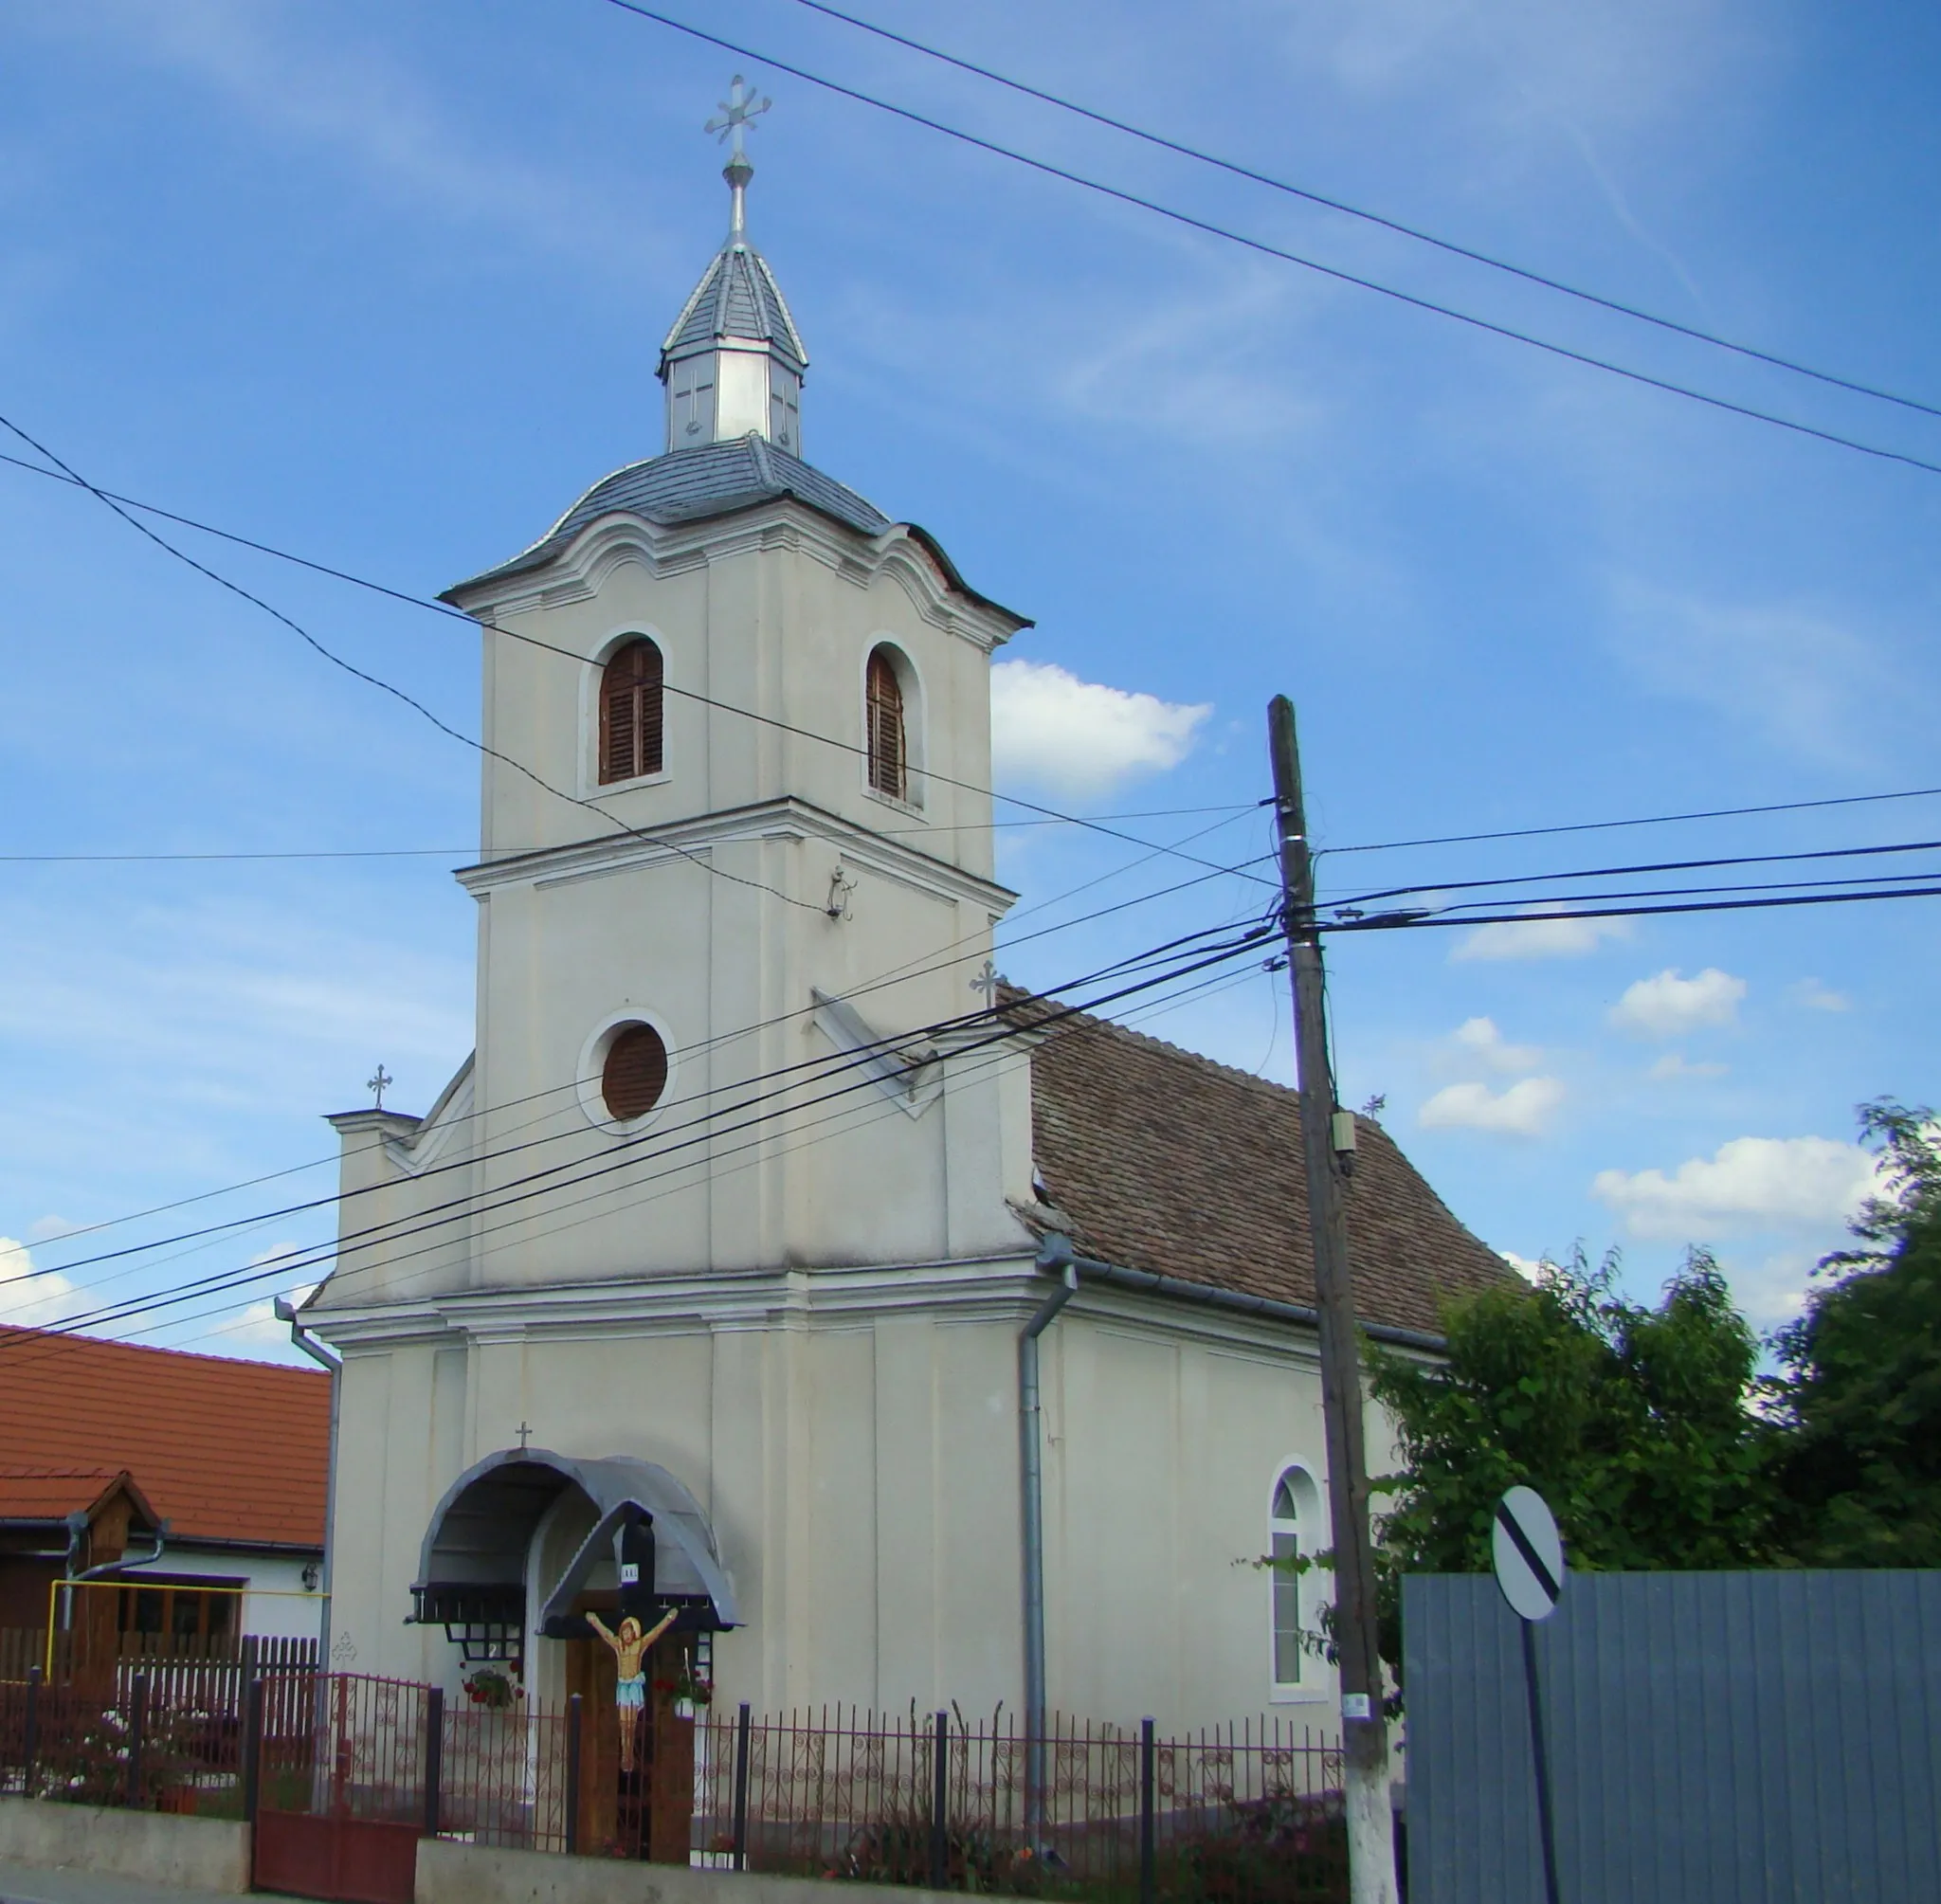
472, 1874
200, 1854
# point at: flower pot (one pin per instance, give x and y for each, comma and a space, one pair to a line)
683, 1709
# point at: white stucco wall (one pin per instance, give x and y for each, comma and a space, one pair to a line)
858, 1452
277, 1605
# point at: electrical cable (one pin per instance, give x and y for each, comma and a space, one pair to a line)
420, 1221
906, 974
1572, 899
222, 581
1048, 815
860, 1055
1261, 246
996, 1060
1619, 872
1646, 820
1400, 921
1410, 231
122, 505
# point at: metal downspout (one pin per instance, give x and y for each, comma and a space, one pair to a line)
1030, 1431
287, 1311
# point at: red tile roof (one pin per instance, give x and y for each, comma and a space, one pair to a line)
227, 1450
1158, 1159
53, 1494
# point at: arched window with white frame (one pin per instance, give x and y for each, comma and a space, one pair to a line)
1291, 1530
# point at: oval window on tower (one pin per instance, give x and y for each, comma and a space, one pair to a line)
635, 1073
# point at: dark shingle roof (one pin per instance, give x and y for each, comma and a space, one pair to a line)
687, 485
1158, 1159
737, 296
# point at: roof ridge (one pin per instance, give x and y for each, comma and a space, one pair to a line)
97, 1342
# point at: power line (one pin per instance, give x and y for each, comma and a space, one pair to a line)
830, 1125
836, 1061
1261, 246
121, 504
1410, 231
907, 972
1402, 921
1646, 820
1047, 816
420, 1222
1659, 866
222, 581
1234, 807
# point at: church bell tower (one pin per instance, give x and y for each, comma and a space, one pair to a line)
735, 879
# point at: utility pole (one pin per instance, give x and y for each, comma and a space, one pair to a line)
1327, 1140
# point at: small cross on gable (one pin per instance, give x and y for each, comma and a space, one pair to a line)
379, 1085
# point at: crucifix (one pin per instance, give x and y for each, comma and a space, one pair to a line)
737, 110
378, 1085
525, 1435
985, 983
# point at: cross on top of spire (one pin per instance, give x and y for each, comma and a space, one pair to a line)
737, 109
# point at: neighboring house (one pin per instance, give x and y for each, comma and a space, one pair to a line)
703, 1280
104, 1444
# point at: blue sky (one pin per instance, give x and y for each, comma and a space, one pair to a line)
384, 286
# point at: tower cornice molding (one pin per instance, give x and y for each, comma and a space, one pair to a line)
785, 817
902, 552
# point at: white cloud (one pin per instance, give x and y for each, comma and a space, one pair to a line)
1751, 1186
31, 1299
1529, 1268
1817, 997
1774, 1290
1079, 737
1806, 681
1667, 1005
1480, 1036
1540, 938
1676, 1065
1524, 1110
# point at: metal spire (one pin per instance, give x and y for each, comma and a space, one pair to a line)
737, 109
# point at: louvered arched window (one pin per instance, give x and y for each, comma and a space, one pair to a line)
889, 770
630, 713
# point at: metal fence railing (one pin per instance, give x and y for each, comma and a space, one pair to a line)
1248, 1813
1244, 1812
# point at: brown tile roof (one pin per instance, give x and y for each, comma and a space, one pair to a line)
227, 1450
1162, 1160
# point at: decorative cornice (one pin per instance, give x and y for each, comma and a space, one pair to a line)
786, 818
907, 555
1001, 1290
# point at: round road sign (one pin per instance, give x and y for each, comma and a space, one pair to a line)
1529, 1556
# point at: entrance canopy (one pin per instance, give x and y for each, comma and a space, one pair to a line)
472, 1569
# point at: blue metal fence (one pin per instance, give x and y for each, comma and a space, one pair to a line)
1721, 1738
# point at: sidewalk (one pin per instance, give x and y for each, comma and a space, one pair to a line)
23, 1885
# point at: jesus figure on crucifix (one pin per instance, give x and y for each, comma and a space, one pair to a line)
630, 1649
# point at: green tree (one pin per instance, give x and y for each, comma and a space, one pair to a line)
1634, 1423
1858, 1409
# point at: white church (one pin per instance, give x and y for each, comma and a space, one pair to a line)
916, 1342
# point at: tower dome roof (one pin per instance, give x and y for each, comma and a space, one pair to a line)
737, 296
